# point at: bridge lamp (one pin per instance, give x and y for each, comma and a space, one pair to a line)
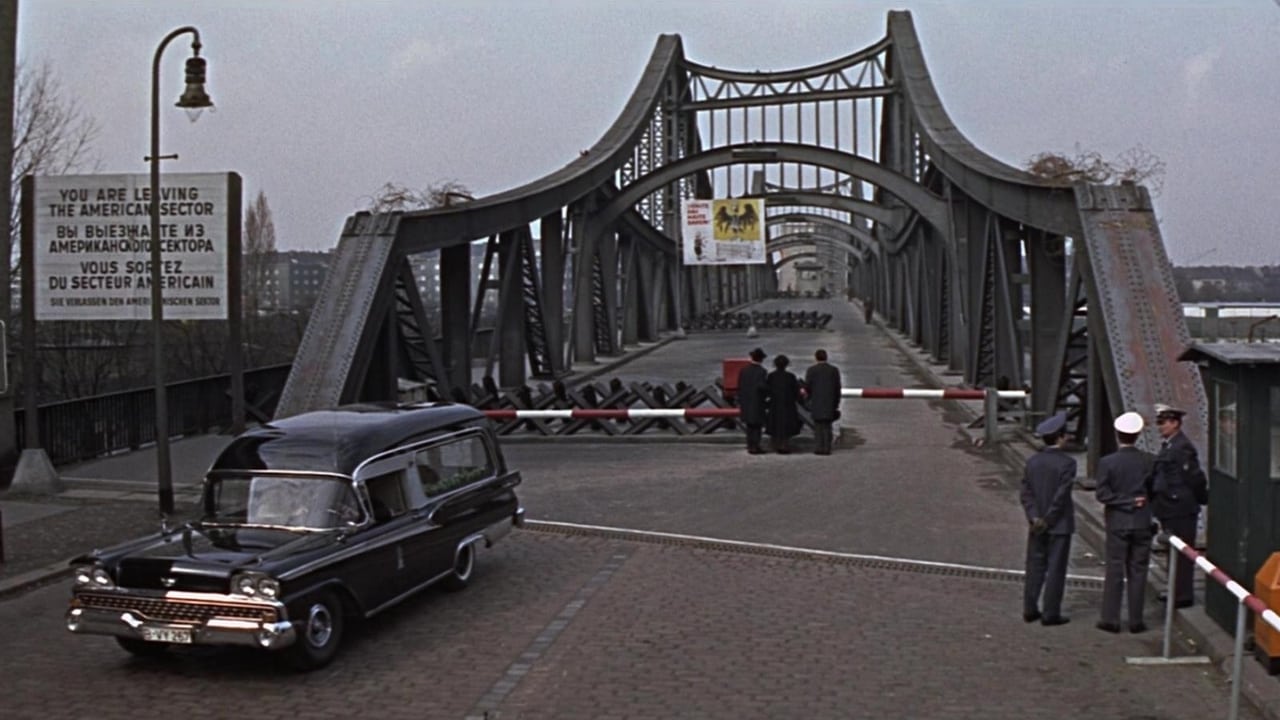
194, 100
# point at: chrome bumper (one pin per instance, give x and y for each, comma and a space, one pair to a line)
89, 620
499, 530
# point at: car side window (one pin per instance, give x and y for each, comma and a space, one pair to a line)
387, 495
453, 464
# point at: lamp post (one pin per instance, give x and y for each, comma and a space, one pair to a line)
193, 98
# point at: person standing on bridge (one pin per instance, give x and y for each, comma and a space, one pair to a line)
1122, 489
1051, 519
1178, 487
782, 417
822, 383
752, 395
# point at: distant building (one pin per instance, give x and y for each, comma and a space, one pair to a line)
292, 280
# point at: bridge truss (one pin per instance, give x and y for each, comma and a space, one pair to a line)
1008, 278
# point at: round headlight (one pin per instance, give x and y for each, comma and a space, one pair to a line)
83, 574
102, 578
269, 588
244, 585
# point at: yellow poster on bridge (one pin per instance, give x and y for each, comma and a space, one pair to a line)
723, 232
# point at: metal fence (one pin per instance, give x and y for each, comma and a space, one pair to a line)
86, 428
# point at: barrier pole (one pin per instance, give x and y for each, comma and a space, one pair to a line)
991, 406
1169, 600
1242, 613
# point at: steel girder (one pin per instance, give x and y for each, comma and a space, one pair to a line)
1004, 301
965, 244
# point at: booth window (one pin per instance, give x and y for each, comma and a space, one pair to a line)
1224, 432
1275, 433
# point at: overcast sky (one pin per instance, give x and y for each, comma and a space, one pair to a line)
319, 102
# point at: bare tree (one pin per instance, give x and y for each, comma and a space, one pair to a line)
1137, 165
259, 251
392, 197
259, 255
52, 135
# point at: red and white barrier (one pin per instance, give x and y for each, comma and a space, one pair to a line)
1253, 602
928, 393
1245, 601
611, 413
717, 412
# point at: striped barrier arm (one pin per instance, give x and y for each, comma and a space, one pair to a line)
611, 413
1253, 602
928, 393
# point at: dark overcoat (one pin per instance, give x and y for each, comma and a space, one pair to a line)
783, 418
1172, 493
752, 393
1046, 490
823, 381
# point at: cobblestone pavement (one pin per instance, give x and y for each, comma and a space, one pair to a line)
591, 626
581, 627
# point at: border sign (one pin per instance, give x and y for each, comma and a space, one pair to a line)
92, 249
723, 232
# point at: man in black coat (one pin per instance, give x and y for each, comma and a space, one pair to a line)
1122, 490
1051, 519
752, 395
822, 382
1174, 479
782, 417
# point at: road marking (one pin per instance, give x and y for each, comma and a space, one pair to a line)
488, 704
882, 561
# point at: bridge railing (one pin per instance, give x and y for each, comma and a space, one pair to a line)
87, 428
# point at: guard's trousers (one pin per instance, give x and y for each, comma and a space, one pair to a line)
1128, 554
1047, 557
1184, 527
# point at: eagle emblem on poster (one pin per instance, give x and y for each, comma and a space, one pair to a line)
723, 232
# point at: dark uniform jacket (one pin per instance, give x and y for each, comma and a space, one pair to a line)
1171, 478
1122, 476
823, 381
752, 393
1046, 490
783, 418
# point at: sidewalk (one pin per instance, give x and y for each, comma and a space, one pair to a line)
1198, 631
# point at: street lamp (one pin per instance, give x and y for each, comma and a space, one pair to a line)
194, 98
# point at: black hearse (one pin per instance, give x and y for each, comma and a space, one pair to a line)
306, 522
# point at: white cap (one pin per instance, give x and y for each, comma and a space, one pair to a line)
1130, 422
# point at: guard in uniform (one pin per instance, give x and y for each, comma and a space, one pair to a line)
751, 399
1175, 476
1122, 489
1046, 499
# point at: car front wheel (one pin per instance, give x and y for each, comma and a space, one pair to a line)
319, 633
464, 565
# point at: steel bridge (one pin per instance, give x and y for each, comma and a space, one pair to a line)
1008, 278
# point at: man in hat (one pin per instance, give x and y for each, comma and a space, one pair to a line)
752, 394
1122, 490
822, 383
1176, 478
1046, 499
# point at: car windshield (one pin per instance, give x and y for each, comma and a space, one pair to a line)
303, 502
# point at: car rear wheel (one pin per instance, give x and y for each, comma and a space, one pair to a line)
319, 633
464, 566
142, 648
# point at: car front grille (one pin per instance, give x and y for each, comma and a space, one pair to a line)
177, 611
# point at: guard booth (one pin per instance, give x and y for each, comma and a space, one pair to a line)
1242, 382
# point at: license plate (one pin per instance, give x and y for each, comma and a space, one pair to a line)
168, 635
